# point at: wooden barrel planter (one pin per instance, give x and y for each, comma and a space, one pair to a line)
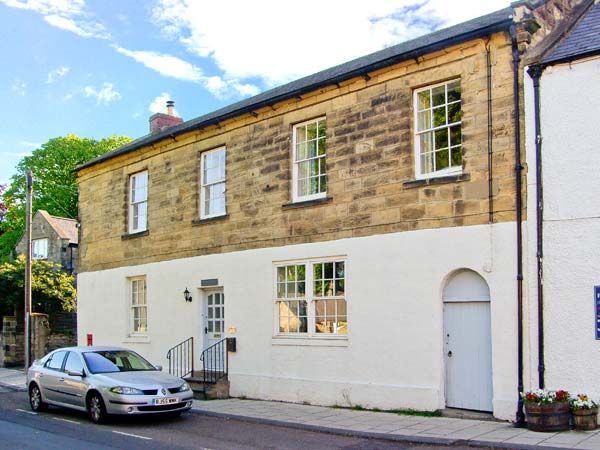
548, 417
585, 419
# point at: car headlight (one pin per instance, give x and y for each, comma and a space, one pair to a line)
126, 390
184, 387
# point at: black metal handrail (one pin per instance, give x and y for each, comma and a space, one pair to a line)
215, 360
181, 358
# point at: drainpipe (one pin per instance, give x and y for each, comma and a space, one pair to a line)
520, 415
535, 72
489, 135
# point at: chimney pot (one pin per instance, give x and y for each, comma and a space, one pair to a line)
171, 107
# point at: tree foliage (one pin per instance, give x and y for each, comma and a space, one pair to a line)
55, 184
52, 288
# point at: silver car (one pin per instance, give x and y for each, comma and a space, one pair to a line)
105, 381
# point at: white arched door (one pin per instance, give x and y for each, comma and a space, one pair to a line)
468, 342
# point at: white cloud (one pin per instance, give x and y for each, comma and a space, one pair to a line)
171, 66
68, 15
55, 74
19, 87
29, 144
279, 44
105, 95
16, 154
158, 105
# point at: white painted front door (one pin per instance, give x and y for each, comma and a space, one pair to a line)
214, 323
468, 355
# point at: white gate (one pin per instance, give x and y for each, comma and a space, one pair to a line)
468, 342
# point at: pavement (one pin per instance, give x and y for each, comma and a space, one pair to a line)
377, 425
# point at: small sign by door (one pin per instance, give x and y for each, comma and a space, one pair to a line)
597, 307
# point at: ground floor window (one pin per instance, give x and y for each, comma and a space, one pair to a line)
310, 298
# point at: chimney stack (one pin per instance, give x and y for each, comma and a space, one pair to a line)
160, 121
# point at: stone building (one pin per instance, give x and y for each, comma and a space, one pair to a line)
54, 239
358, 231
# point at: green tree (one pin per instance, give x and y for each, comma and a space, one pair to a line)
52, 288
55, 184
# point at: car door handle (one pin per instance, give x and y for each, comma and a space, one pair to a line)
61, 380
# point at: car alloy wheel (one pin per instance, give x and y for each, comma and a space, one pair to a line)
96, 409
35, 398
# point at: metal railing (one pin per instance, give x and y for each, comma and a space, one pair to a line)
215, 360
181, 358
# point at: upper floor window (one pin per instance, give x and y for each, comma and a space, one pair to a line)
212, 183
309, 160
39, 249
138, 202
138, 305
438, 135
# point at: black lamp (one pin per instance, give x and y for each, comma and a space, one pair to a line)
187, 295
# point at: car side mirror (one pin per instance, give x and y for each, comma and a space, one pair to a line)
158, 367
75, 373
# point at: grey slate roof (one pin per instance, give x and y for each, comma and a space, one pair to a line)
65, 228
480, 26
582, 40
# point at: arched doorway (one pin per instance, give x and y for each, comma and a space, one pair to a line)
467, 341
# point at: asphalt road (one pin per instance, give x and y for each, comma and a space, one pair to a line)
61, 429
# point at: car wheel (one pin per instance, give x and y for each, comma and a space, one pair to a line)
35, 399
96, 409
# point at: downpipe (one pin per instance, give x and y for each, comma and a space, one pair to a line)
535, 72
520, 415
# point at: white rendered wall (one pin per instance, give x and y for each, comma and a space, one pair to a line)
570, 107
392, 357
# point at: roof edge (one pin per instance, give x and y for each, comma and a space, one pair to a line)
191, 125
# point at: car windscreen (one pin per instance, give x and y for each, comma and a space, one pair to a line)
111, 361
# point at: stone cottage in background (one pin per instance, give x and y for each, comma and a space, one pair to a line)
54, 239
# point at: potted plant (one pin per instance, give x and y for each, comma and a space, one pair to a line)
585, 412
547, 410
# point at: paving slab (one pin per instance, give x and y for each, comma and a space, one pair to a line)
385, 425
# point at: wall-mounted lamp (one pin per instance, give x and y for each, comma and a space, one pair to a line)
187, 295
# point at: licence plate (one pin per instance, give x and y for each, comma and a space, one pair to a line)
165, 401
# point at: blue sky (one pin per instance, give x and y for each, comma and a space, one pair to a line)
102, 67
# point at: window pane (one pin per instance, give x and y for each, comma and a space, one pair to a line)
342, 325
320, 309
303, 187
210, 313
322, 147
323, 183
303, 325
314, 167
328, 270
217, 326
283, 309
453, 91
311, 149
301, 289
302, 308
341, 307
328, 288
280, 274
339, 269
210, 326
456, 154
441, 139
217, 313
427, 163
318, 288
291, 273
322, 128
426, 141
301, 133
423, 100
311, 131
322, 166
318, 269
438, 95
454, 113
283, 325
280, 290
304, 169
301, 272
291, 290
293, 308
339, 287
424, 120
442, 159
455, 135
439, 116
301, 151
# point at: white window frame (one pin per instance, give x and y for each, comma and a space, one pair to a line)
204, 186
310, 298
35, 248
131, 306
451, 170
295, 163
132, 204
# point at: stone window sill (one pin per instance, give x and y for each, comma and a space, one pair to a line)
301, 341
135, 235
307, 203
437, 180
141, 339
210, 219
